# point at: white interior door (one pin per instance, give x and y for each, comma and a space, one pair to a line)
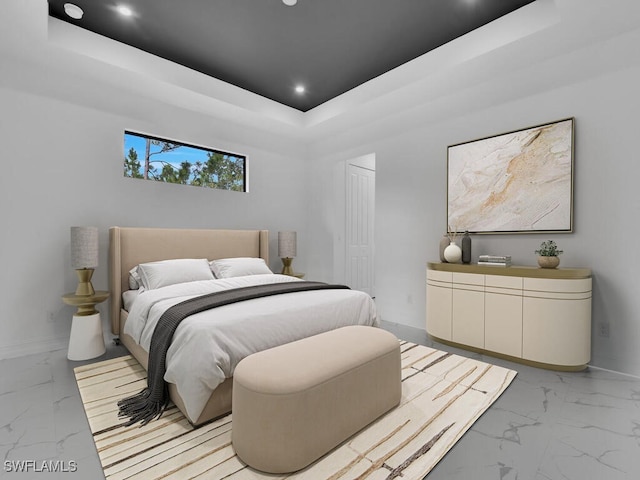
359, 270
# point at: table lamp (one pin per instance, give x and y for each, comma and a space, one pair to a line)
84, 257
287, 250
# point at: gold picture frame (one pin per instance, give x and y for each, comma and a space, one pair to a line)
516, 182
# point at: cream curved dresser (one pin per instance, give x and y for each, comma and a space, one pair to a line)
528, 314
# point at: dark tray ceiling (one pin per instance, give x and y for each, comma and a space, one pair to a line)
329, 46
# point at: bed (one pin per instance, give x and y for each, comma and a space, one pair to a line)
292, 317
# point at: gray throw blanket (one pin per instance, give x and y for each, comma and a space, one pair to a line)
151, 402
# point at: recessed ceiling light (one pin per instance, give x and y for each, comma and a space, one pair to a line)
73, 11
300, 89
289, 3
124, 10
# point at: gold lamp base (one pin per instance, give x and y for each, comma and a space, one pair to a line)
84, 282
286, 269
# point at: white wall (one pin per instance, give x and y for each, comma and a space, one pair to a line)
592, 79
66, 98
62, 166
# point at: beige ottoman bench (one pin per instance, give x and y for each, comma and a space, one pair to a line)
294, 403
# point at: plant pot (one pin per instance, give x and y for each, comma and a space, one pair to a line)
548, 262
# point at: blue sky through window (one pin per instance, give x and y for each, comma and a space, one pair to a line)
229, 174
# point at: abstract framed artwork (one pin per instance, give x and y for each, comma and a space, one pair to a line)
516, 182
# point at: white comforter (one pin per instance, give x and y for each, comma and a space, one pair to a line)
207, 346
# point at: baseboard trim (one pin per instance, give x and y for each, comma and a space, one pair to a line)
32, 348
593, 367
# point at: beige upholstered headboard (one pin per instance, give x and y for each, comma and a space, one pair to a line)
129, 247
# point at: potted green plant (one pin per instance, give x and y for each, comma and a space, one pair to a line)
548, 254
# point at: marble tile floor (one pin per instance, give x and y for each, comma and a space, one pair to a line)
546, 426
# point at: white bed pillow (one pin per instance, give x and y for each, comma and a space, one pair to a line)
169, 272
134, 279
129, 296
238, 267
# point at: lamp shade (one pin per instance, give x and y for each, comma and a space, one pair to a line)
287, 244
84, 247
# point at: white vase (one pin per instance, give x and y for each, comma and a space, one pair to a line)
453, 253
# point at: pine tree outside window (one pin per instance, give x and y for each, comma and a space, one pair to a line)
162, 160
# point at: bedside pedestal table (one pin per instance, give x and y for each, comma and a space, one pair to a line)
86, 340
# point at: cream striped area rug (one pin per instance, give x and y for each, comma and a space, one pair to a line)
442, 396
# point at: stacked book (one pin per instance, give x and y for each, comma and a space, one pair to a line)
499, 260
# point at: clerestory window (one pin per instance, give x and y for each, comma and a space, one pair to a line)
169, 161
